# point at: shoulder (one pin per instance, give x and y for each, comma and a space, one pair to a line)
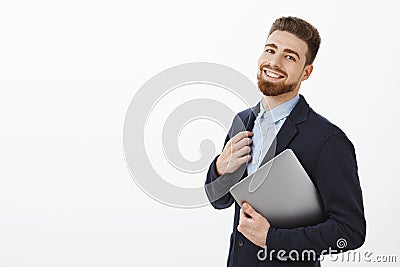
328, 131
317, 134
322, 125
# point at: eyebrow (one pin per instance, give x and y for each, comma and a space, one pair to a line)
287, 50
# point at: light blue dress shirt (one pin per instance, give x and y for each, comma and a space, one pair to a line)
266, 127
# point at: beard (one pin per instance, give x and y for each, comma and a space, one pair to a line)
274, 88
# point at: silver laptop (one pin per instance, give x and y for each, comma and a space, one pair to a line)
282, 192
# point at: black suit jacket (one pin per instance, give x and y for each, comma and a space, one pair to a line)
329, 158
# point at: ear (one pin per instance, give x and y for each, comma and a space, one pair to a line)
307, 72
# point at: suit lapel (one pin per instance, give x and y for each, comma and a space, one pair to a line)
288, 130
252, 117
248, 124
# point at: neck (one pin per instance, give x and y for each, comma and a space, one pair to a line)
271, 102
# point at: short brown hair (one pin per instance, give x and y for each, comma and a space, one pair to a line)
302, 30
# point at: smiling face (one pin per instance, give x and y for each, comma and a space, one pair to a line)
281, 66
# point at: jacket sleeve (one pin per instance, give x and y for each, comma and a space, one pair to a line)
213, 187
338, 183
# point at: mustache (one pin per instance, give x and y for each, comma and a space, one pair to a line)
277, 70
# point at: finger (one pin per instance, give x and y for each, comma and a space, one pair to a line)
244, 142
249, 210
240, 136
241, 220
244, 159
242, 217
243, 151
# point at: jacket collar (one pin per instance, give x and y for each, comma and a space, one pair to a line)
287, 132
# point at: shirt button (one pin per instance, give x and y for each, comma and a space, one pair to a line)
255, 162
240, 242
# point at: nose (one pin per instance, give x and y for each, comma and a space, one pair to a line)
274, 61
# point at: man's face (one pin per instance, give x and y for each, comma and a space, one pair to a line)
281, 65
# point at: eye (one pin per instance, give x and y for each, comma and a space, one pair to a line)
269, 51
290, 58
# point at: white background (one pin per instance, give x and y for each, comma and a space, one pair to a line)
68, 71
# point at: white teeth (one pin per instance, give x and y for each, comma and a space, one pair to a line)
272, 75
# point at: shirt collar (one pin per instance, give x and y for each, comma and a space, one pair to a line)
279, 112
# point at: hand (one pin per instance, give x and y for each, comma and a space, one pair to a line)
253, 225
235, 153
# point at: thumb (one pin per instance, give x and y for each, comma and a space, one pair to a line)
248, 209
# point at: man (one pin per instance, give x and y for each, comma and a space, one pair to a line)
325, 152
